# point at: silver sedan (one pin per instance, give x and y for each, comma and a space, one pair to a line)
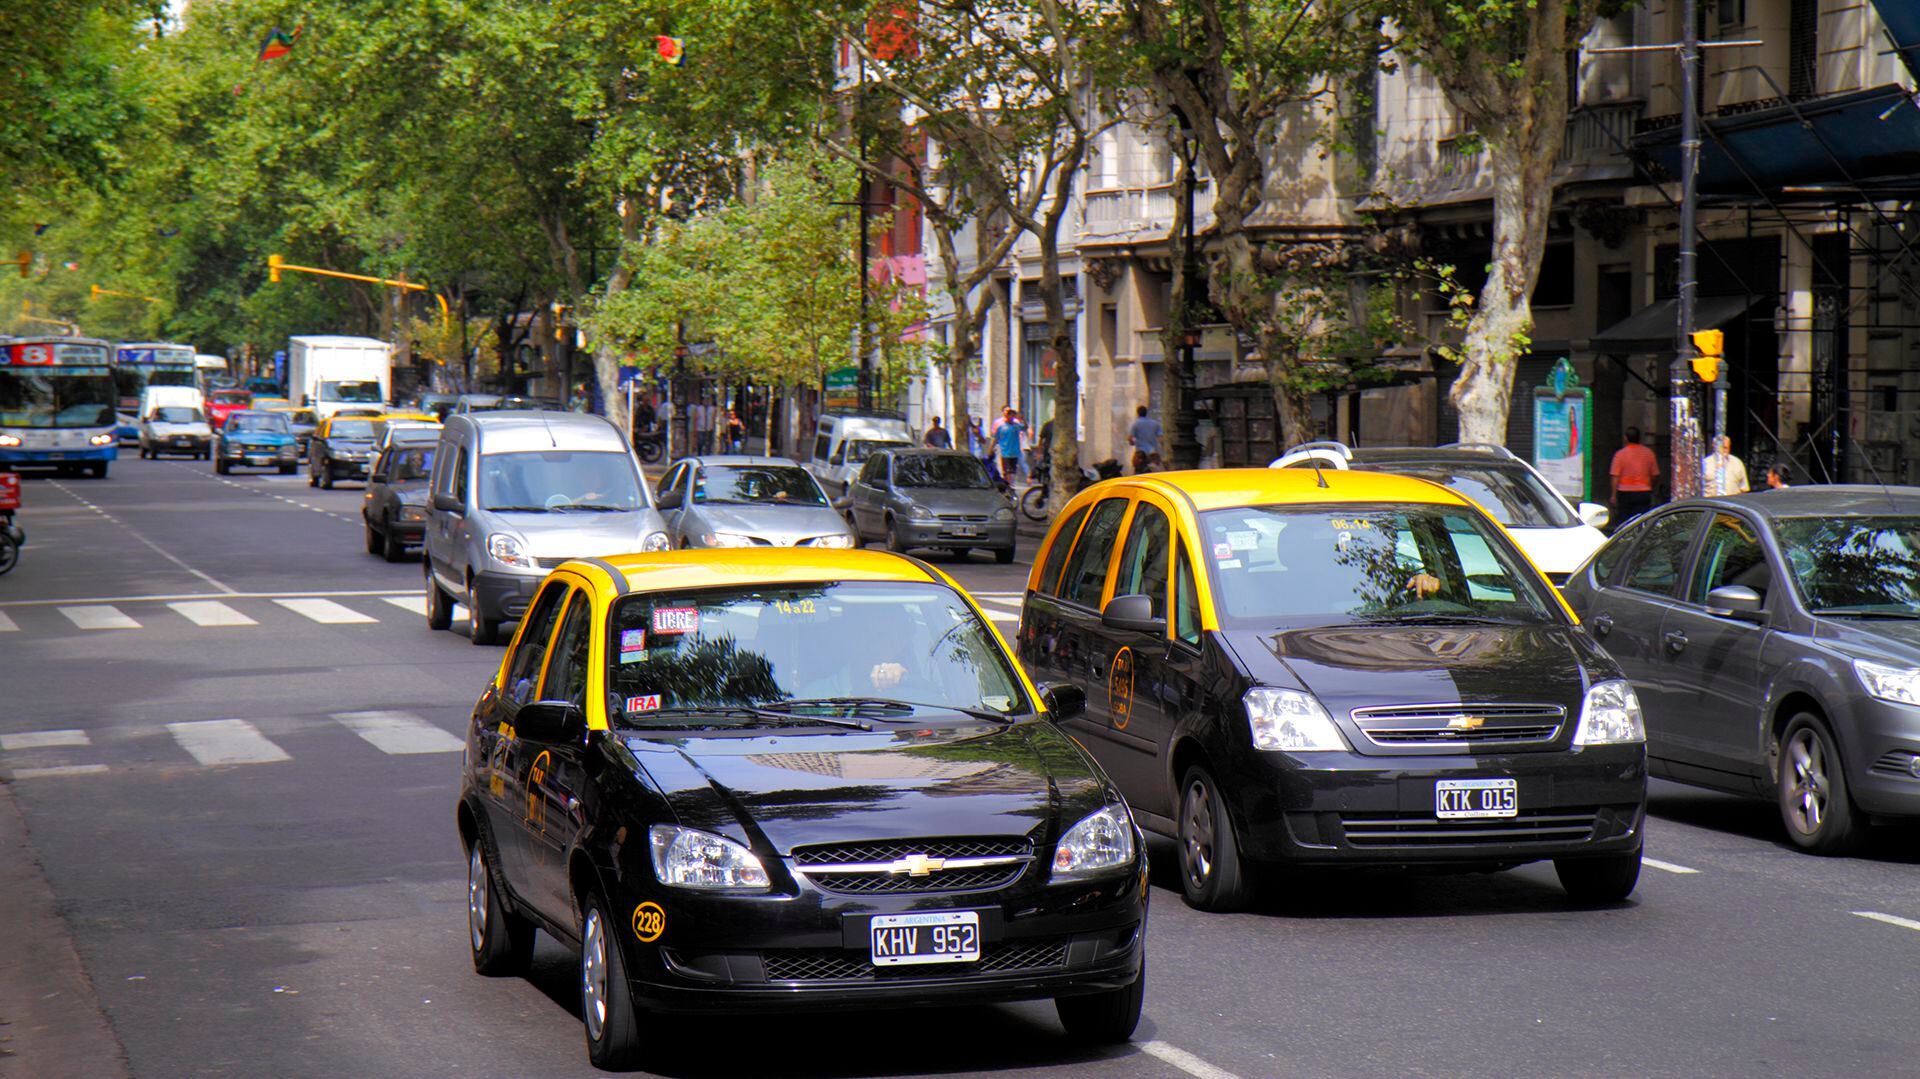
744, 501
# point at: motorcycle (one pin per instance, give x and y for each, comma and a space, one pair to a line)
651, 444
12, 536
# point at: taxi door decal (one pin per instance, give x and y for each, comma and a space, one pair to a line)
1120, 687
536, 805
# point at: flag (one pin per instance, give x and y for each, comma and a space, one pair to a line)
670, 49
71, 265
279, 43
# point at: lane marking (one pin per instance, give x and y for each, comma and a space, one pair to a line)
400, 733
325, 611
211, 613
415, 604
43, 739
7, 624
135, 533
351, 593
98, 616
1890, 919
61, 770
1666, 867
225, 741
1003, 616
1185, 1061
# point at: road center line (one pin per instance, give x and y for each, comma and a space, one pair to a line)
43, 739
1890, 919
135, 533
1665, 867
1185, 1061
59, 770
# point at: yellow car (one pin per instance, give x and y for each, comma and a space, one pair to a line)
271, 404
790, 778
1337, 667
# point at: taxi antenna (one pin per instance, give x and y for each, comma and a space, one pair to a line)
1320, 477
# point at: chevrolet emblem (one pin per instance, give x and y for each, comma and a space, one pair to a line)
1466, 723
917, 865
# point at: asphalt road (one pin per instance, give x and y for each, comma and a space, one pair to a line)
233, 744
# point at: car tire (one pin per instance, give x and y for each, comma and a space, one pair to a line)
1594, 881
895, 542
313, 477
98, 470
220, 467
326, 477
853, 528
439, 603
1003, 555
501, 941
392, 548
606, 1000
1212, 875
1104, 1018
286, 470
374, 543
1814, 803
481, 630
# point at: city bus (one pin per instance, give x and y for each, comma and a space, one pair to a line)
56, 404
139, 364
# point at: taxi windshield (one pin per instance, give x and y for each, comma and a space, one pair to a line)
786, 485
1277, 566
358, 429
834, 646
266, 423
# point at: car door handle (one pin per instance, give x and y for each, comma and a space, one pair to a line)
1676, 641
1602, 625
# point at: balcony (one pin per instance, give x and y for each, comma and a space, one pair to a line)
1131, 214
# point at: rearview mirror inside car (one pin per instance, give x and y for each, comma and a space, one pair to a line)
1132, 612
557, 722
449, 502
1735, 601
1593, 513
1063, 700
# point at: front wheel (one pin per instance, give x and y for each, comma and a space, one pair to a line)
1814, 802
1211, 873
1033, 503
1607, 879
1003, 555
373, 538
326, 477
1105, 1018
9, 550
98, 470
650, 451
895, 541
501, 941
606, 1000
439, 603
480, 629
392, 548
220, 466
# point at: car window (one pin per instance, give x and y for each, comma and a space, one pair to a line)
1610, 553
339, 428
523, 670
821, 444
1186, 602
1057, 554
875, 468
1854, 566
940, 470
410, 463
1143, 562
782, 485
1086, 574
567, 675
1514, 496
1656, 560
460, 476
536, 481
1731, 554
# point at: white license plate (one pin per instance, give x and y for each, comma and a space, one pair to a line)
949, 936
1460, 798
965, 530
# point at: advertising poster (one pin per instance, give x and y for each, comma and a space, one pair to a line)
1561, 440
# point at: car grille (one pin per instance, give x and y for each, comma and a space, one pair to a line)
841, 965
878, 868
1898, 762
1391, 830
1448, 724
963, 517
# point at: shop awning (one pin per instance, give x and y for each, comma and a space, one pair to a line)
1902, 20
1654, 327
1869, 138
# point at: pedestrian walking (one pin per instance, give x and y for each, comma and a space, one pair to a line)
1722, 473
1633, 472
937, 436
1144, 436
736, 433
1007, 439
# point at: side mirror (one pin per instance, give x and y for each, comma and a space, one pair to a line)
555, 722
1134, 612
1736, 601
448, 502
669, 501
1063, 700
1595, 514
843, 503
379, 476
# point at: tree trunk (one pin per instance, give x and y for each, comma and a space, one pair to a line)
1497, 333
606, 361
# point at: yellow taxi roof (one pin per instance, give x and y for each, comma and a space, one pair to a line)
760, 565
1223, 488
426, 417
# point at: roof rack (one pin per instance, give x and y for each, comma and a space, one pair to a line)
1482, 447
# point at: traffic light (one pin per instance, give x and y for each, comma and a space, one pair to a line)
274, 263
25, 259
94, 291
1711, 346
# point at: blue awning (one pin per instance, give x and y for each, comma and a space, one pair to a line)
1871, 136
1902, 20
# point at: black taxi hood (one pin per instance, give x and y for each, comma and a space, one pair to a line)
797, 787
1363, 666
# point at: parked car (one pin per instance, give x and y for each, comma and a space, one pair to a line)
1363, 673
225, 402
259, 439
176, 429
405, 432
1556, 535
1774, 641
341, 448
843, 440
394, 509
744, 501
515, 495
942, 499
805, 779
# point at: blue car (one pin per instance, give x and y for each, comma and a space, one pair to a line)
257, 440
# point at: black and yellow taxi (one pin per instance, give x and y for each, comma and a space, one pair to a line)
1345, 667
791, 778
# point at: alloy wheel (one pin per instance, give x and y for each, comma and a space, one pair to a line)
593, 973
1197, 814
1809, 786
477, 898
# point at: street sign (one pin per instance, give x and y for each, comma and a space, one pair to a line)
629, 374
843, 388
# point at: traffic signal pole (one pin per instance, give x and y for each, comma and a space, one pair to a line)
1684, 434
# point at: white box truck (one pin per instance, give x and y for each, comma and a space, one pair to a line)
327, 374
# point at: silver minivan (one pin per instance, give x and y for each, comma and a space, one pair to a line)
513, 495
843, 441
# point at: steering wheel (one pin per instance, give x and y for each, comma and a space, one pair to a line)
557, 501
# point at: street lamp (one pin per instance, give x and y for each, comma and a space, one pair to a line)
1183, 448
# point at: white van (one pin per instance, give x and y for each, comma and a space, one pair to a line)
844, 440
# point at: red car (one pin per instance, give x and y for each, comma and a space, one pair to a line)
224, 403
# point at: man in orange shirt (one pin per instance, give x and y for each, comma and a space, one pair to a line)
1634, 470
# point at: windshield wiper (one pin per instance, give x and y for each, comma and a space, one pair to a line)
763, 714
517, 509
866, 705
593, 507
1454, 619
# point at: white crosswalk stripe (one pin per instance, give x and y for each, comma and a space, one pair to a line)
43, 740
98, 616
226, 741
325, 611
211, 613
415, 604
399, 733
7, 624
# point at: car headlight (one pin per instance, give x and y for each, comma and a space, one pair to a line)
1101, 843
1901, 685
837, 540
1610, 716
1290, 720
507, 551
690, 858
413, 513
656, 541
919, 512
103, 440
725, 539
9, 440
1004, 513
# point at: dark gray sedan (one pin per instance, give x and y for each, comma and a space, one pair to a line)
394, 509
734, 500
1774, 641
930, 498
